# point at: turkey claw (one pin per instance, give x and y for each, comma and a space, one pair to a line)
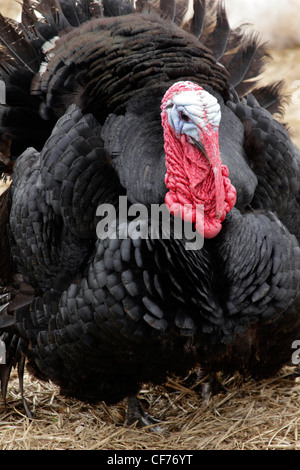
137, 415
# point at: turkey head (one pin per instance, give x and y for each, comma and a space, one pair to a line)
199, 190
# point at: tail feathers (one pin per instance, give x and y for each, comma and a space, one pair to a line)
83, 11
239, 51
164, 8
246, 65
217, 32
272, 97
21, 56
168, 7
196, 23
188, 14
207, 20
63, 14
183, 12
42, 20
17, 47
52, 13
24, 52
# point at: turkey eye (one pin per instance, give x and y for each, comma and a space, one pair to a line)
184, 117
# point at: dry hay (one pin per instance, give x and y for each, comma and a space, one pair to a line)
249, 416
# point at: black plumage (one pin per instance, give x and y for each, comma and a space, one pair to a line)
103, 316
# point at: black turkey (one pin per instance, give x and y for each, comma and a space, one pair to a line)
106, 103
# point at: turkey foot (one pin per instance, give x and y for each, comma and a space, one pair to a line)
212, 387
136, 414
207, 388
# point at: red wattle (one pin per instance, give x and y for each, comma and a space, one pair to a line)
193, 180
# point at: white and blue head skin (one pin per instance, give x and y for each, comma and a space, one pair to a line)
191, 111
195, 174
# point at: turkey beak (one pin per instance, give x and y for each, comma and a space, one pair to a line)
201, 147
216, 163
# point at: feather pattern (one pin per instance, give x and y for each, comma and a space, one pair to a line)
13, 40
216, 35
91, 308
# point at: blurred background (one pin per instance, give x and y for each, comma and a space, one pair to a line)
10, 8
278, 23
